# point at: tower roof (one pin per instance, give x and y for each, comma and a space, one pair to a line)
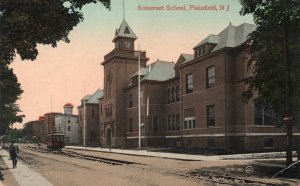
124, 31
68, 105
41, 118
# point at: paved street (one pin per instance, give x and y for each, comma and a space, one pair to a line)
39, 167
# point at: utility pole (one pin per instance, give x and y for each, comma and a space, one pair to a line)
139, 97
84, 118
287, 118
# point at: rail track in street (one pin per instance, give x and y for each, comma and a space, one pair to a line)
196, 175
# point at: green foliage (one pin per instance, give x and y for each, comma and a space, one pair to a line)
23, 25
10, 91
274, 19
27, 23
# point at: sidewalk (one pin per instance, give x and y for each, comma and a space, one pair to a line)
148, 153
23, 175
189, 157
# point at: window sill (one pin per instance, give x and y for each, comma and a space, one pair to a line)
211, 126
210, 87
268, 148
260, 126
171, 131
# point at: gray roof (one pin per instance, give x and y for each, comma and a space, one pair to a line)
87, 97
95, 97
187, 57
211, 38
232, 36
144, 71
158, 71
124, 31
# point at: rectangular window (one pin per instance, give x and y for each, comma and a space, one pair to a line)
268, 143
142, 98
210, 76
67, 139
177, 93
177, 122
69, 128
173, 95
130, 103
93, 113
210, 111
189, 83
169, 96
189, 123
130, 125
211, 143
263, 114
155, 123
173, 122
142, 128
169, 123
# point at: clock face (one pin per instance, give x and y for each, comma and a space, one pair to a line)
127, 44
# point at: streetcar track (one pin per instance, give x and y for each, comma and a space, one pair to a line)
206, 176
86, 157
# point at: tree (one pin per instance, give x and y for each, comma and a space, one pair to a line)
23, 25
274, 49
10, 91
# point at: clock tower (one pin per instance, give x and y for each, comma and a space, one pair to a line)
124, 37
119, 65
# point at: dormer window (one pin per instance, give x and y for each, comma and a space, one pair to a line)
202, 50
135, 80
126, 31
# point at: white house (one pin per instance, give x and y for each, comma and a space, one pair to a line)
67, 123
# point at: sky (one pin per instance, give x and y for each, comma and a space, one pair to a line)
66, 73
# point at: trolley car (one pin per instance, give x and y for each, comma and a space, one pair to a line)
55, 141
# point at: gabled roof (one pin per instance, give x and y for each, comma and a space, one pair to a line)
187, 57
232, 36
183, 58
124, 31
95, 97
158, 71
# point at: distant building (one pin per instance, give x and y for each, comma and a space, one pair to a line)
50, 121
195, 103
32, 130
88, 113
41, 130
67, 123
